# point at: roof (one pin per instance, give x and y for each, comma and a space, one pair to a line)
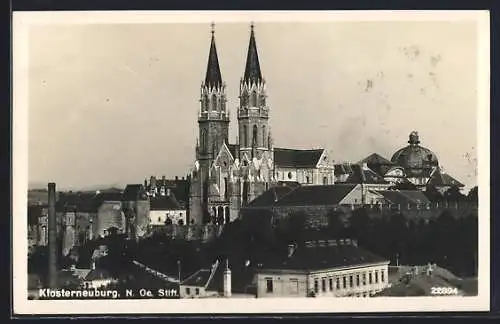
305, 195
361, 174
83, 202
252, 67
213, 77
269, 197
199, 278
294, 158
108, 196
439, 178
375, 158
97, 274
164, 203
404, 196
133, 192
324, 256
344, 168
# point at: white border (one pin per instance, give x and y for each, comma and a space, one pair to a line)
21, 21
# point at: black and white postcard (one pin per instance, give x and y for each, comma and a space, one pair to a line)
250, 162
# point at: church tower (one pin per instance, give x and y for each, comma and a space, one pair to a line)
213, 116
213, 124
253, 112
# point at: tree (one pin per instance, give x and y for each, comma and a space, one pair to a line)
454, 194
432, 193
472, 196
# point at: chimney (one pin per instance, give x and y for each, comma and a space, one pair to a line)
52, 236
183, 178
291, 249
227, 280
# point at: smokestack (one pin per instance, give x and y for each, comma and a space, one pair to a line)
52, 233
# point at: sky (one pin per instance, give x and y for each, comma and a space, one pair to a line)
111, 104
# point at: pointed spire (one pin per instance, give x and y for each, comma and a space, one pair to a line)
252, 68
213, 77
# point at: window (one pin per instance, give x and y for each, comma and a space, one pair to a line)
294, 286
337, 283
376, 276
330, 281
269, 285
188, 291
263, 136
364, 279
351, 281
214, 102
254, 135
370, 279
325, 180
316, 284
344, 282
323, 284
382, 276
197, 291
307, 179
357, 280
159, 219
289, 175
245, 136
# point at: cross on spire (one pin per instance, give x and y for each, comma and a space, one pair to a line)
213, 76
252, 68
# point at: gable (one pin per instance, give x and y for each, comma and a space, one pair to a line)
224, 157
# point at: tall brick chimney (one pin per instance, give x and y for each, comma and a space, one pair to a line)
52, 237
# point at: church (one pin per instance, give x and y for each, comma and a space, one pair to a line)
227, 176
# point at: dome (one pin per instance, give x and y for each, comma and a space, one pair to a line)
415, 158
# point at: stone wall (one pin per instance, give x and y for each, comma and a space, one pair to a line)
204, 233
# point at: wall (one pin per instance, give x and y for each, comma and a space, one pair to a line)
283, 286
109, 215
190, 292
289, 284
310, 176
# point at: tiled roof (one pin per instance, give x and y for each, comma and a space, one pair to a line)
324, 257
269, 197
83, 202
164, 203
364, 175
307, 195
293, 158
198, 279
404, 196
375, 158
439, 178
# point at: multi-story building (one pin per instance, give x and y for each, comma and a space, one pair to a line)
329, 268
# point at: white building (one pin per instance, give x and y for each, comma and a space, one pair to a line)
166, 209
333, 268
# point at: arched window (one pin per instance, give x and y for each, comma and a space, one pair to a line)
253, 99
226, 193
245, 136
325, 180
254, 137
263, 136
204, 140
205, 102
214, 102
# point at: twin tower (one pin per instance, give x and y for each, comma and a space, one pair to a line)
227, 176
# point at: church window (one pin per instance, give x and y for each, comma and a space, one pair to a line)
253, 99
214, 102
307, 179
245, 136
226, 194
204, 140
289, 175
325, 180
263, 136
205, 102
254, 137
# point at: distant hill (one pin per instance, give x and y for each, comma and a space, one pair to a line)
38, 186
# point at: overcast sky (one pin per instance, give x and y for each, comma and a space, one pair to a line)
114, 104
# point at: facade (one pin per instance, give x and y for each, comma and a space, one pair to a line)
332, 268
166, 210
227, 176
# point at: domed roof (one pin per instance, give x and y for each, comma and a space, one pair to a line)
415, 158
